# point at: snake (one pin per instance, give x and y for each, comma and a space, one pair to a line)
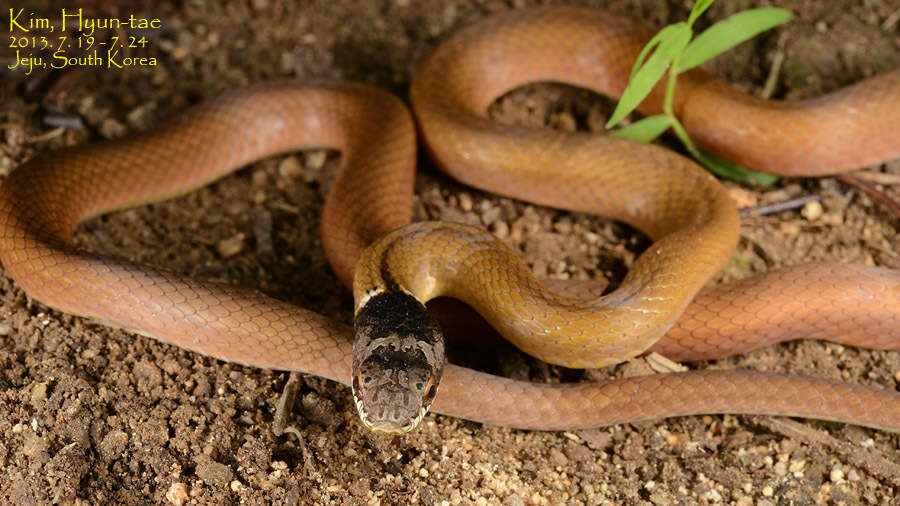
394, 265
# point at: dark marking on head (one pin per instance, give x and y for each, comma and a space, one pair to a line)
398, 358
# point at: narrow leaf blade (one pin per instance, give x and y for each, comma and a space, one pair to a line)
645, 130
729, 170
699, 8
642, 82
651, 45
730, 32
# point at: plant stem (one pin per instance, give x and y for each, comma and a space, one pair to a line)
669, 110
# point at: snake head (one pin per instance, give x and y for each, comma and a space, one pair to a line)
398, 358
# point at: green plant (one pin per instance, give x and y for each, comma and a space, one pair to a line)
672, 49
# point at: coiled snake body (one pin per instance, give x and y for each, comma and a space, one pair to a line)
684, 210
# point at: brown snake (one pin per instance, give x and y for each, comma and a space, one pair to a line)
42, 201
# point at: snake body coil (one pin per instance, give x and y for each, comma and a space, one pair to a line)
42, 201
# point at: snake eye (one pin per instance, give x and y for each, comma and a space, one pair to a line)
431, 390
356, 383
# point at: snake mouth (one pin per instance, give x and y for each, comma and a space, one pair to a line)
392, 418
379, 427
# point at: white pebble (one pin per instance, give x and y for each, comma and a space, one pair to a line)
812, 210
836, 475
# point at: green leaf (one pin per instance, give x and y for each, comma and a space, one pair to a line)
671, 41
730, 32
699, 8
645, 130
729, 170
659, 38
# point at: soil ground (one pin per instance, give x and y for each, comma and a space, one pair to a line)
90, 415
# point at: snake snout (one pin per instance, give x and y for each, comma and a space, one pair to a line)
391, 409
393, 389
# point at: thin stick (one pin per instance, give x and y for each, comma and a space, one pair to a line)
778, 207
873, 193
871, 176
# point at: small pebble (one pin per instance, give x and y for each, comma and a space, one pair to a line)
780, 469
836, 475
15, 136
112, 129
661, 498
177, 494
259, 178
113, 444
836, 203
313, 161
5, 165
214, 473
596, 438
767, 491
180, 53
140, 116
789, 228
290, 168
38, 393
563, 226
465, 202
558, 458
713, 495
833, 219
812, 210
564, 122
500, 229
490, 214
232, 246
320, 410
743, 198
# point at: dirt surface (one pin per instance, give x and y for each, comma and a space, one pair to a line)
100, 416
